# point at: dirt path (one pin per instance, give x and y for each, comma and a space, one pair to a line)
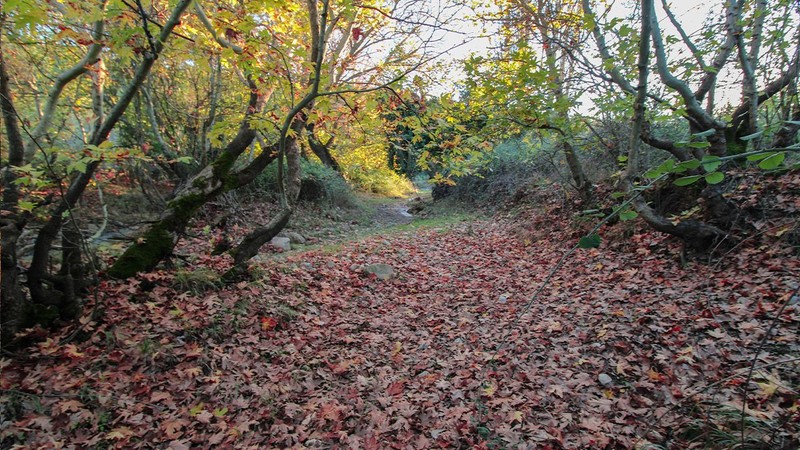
392, 214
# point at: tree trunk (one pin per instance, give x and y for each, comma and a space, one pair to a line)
322, 151
158, 240
12, 221
254, 240
582, 183
787, 135
12, 298
695, 234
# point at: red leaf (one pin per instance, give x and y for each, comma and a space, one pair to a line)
396, 388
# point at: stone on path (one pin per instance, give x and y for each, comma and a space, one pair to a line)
282, 243
294, 237
382, 271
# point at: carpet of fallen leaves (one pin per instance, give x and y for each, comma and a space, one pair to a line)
624, 347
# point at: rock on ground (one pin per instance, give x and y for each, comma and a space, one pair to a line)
282, 243
382, 271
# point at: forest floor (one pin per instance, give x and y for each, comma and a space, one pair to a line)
475, 341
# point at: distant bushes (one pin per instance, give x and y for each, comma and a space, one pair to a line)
318, 184
382, 181
510, 168
366, 168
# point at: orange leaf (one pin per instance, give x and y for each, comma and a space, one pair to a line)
268, 323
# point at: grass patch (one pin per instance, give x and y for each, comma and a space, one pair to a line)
197, 281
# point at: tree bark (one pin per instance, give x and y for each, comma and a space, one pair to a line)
322, 150
695, 234
91, 56
159, 239
288, 147
254, 240
582, 183
12, 221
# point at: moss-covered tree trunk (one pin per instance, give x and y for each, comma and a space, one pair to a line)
158, 240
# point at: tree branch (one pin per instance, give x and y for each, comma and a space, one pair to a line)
89, 58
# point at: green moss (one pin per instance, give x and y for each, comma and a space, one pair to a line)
153, 247
734, 145
184, 208
222, 165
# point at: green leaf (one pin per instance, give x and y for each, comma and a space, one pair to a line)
711, 163
772, 161
750, 137
622, 158
759, 156
628, 215
690, 164
185, 159
714, 177
653, 173
616, 195
793, 122
77, 166
591, 241
702, 144
196, 409
686, 181
26, 206
667, 165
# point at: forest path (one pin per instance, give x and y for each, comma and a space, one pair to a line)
453, 351
392, 213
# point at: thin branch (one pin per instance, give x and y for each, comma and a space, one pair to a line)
89, 58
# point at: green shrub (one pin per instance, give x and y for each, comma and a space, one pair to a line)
319, 184
510, 167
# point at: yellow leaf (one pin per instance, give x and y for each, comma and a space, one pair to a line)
517, 416
72, 350
196, 409
119, 433
489, 390
768, 389
654, 375
397, 348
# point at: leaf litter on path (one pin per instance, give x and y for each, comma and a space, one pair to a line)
447, 353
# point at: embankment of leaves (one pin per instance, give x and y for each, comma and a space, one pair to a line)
624, 347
